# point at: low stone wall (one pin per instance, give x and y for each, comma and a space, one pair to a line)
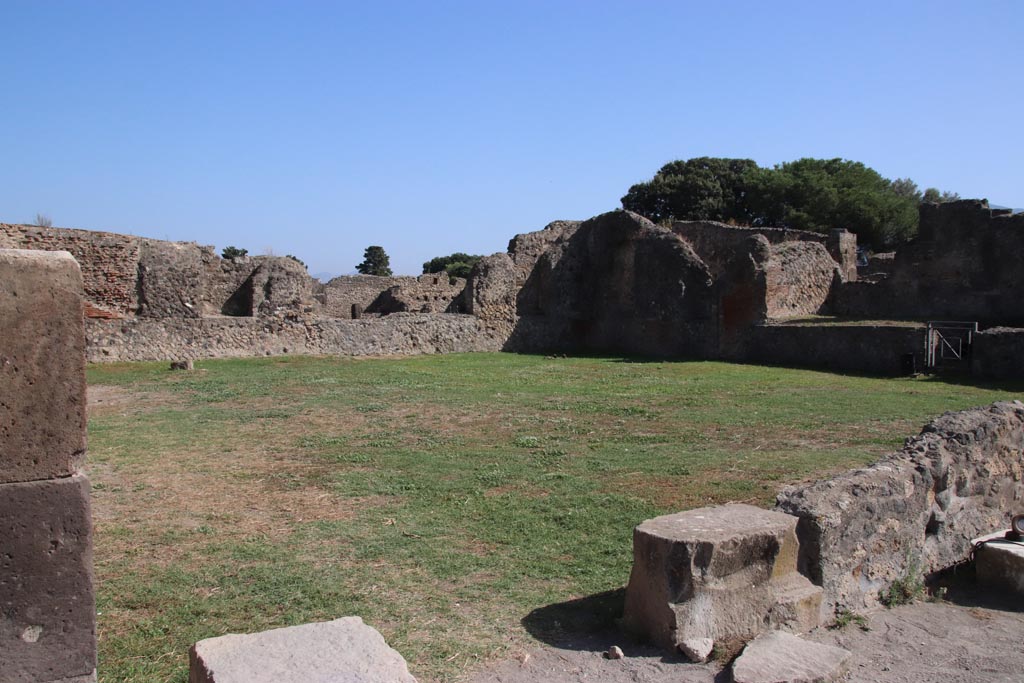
873, 349
998, 353
915, 511
228, 337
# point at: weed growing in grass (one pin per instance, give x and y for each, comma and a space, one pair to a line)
906, 589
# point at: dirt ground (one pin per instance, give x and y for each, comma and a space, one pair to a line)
971, 637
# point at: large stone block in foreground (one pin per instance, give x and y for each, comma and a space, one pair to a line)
720, 572
42, 365
341, 651
47, 610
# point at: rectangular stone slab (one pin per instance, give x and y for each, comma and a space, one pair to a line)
47, 610
42, 365
341, 651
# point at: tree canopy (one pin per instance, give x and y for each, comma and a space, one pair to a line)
807, 194
375, 262
456, 265
233, 252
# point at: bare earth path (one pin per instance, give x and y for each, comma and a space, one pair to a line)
977, 641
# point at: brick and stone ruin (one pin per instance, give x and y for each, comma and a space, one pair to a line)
615, 283
47, 611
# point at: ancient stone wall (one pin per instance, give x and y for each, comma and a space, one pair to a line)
230, 337
617, 283
716, 242
998, 353
915, 511
47, 608
375, 295
866, 348
430, 293
963, 265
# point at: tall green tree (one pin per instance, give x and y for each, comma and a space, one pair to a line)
375, 262
807, 194
706, 188
456, 265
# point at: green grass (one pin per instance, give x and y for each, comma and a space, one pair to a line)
443, 498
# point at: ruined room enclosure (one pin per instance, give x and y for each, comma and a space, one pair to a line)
307, 488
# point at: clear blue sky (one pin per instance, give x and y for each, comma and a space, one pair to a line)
318, 128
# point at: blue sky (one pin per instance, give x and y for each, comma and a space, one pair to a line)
319, 128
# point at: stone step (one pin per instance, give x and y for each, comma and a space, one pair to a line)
783, 658
797, 603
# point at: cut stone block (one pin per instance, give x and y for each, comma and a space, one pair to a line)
783, 658
727, 571
47, 610
42, 365
999, 563
341, 651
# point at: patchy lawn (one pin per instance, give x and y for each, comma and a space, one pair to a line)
441, 498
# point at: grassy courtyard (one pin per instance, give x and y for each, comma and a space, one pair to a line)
445, 498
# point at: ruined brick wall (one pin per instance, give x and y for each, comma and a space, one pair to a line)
235, 337
47, 608
109, 262
914, 511
963, 265
798, 279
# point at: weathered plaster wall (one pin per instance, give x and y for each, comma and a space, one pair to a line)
914, 511
227, 337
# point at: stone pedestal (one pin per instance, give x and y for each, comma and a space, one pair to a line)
47, 610
999, 563
713, 573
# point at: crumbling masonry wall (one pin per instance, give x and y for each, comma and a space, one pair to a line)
47, 608
915, 511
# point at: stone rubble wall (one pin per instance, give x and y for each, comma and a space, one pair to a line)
47, 605
915, 511
230, 337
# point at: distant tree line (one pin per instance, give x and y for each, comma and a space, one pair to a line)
807, 194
